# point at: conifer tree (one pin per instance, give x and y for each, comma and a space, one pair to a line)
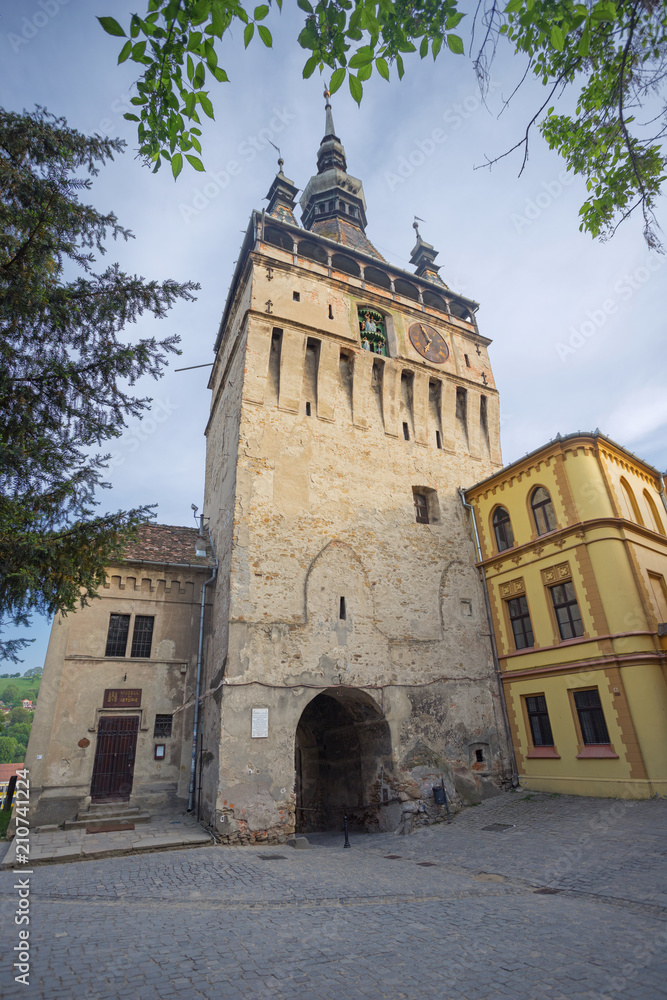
64, 370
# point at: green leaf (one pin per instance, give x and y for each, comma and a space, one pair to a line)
125, 51
206, 105
513, 6
309, 68
265, 35
304, 5
382, 67
356, 89
365, 72
557, 38
435, 48
453, 20
261, 12
337, 78
138, 51
423, 48
195, 162
220, 75
248, 32
111, 26
585, 41
455, 44
200, 75
176, 164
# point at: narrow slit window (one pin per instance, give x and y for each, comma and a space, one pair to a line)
307, 409
438, 440
479, 756
421, 508
331, 315
467, 360
406, 431
296, 296
342, 610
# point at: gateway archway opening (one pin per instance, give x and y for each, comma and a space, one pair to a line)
343, 761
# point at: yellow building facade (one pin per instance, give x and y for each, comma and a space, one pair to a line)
572, 546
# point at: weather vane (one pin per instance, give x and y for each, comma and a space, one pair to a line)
281, 162
415, 225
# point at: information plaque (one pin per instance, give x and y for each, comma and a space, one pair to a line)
260, 723
122, 698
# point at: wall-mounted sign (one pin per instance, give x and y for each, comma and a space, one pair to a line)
122, 698
260, 723
84, 743
159, 751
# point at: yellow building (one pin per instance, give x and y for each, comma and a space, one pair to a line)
571, 542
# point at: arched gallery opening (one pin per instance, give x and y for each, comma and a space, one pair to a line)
343, 762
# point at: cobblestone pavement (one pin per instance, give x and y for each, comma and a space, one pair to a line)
457, 911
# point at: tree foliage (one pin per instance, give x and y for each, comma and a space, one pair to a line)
64, 372
610, 55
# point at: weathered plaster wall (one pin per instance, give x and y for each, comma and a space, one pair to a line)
76, 674
324, 510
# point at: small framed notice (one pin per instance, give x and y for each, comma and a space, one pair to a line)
260, 723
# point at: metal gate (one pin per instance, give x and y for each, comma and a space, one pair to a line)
114, 758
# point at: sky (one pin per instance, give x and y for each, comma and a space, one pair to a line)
576, 324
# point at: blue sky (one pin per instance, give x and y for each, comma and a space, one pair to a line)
576, 324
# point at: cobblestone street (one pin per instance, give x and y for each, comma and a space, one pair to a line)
455, 911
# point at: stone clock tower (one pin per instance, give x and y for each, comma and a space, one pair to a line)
348, 667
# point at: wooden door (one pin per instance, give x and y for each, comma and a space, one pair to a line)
114, 758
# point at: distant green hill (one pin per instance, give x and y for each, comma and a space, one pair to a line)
24, 684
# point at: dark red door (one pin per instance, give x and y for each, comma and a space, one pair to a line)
114, 758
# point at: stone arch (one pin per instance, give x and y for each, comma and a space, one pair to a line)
342, 758
335, 572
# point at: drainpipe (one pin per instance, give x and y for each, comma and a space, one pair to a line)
662, 492
197, 719
494, 649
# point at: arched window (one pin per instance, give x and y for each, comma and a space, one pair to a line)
502, 527
654, 512
278, 238
434, 300
406, 289
632, 511
460, 311
375, 276
345, 264
373, 331
312, 251
543, 511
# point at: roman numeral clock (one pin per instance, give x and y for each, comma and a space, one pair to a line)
430, 344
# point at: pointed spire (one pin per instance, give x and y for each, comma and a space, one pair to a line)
282, 195
423, 257
329, 130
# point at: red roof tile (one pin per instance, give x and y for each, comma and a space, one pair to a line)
166, 543
7, 770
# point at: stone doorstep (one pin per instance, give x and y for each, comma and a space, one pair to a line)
90, 819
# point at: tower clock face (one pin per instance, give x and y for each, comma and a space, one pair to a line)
430, 344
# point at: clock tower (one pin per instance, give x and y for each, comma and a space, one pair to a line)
348, 670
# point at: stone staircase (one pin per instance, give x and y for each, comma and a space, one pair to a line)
105, 814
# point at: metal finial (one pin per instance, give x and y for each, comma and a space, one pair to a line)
281, 162
327, 94
415, 224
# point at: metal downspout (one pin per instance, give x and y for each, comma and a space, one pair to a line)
494, 650
662, 493
197, 716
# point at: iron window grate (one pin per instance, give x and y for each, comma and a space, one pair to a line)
119, 626
142, 636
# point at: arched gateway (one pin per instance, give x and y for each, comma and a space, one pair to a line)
343, 762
